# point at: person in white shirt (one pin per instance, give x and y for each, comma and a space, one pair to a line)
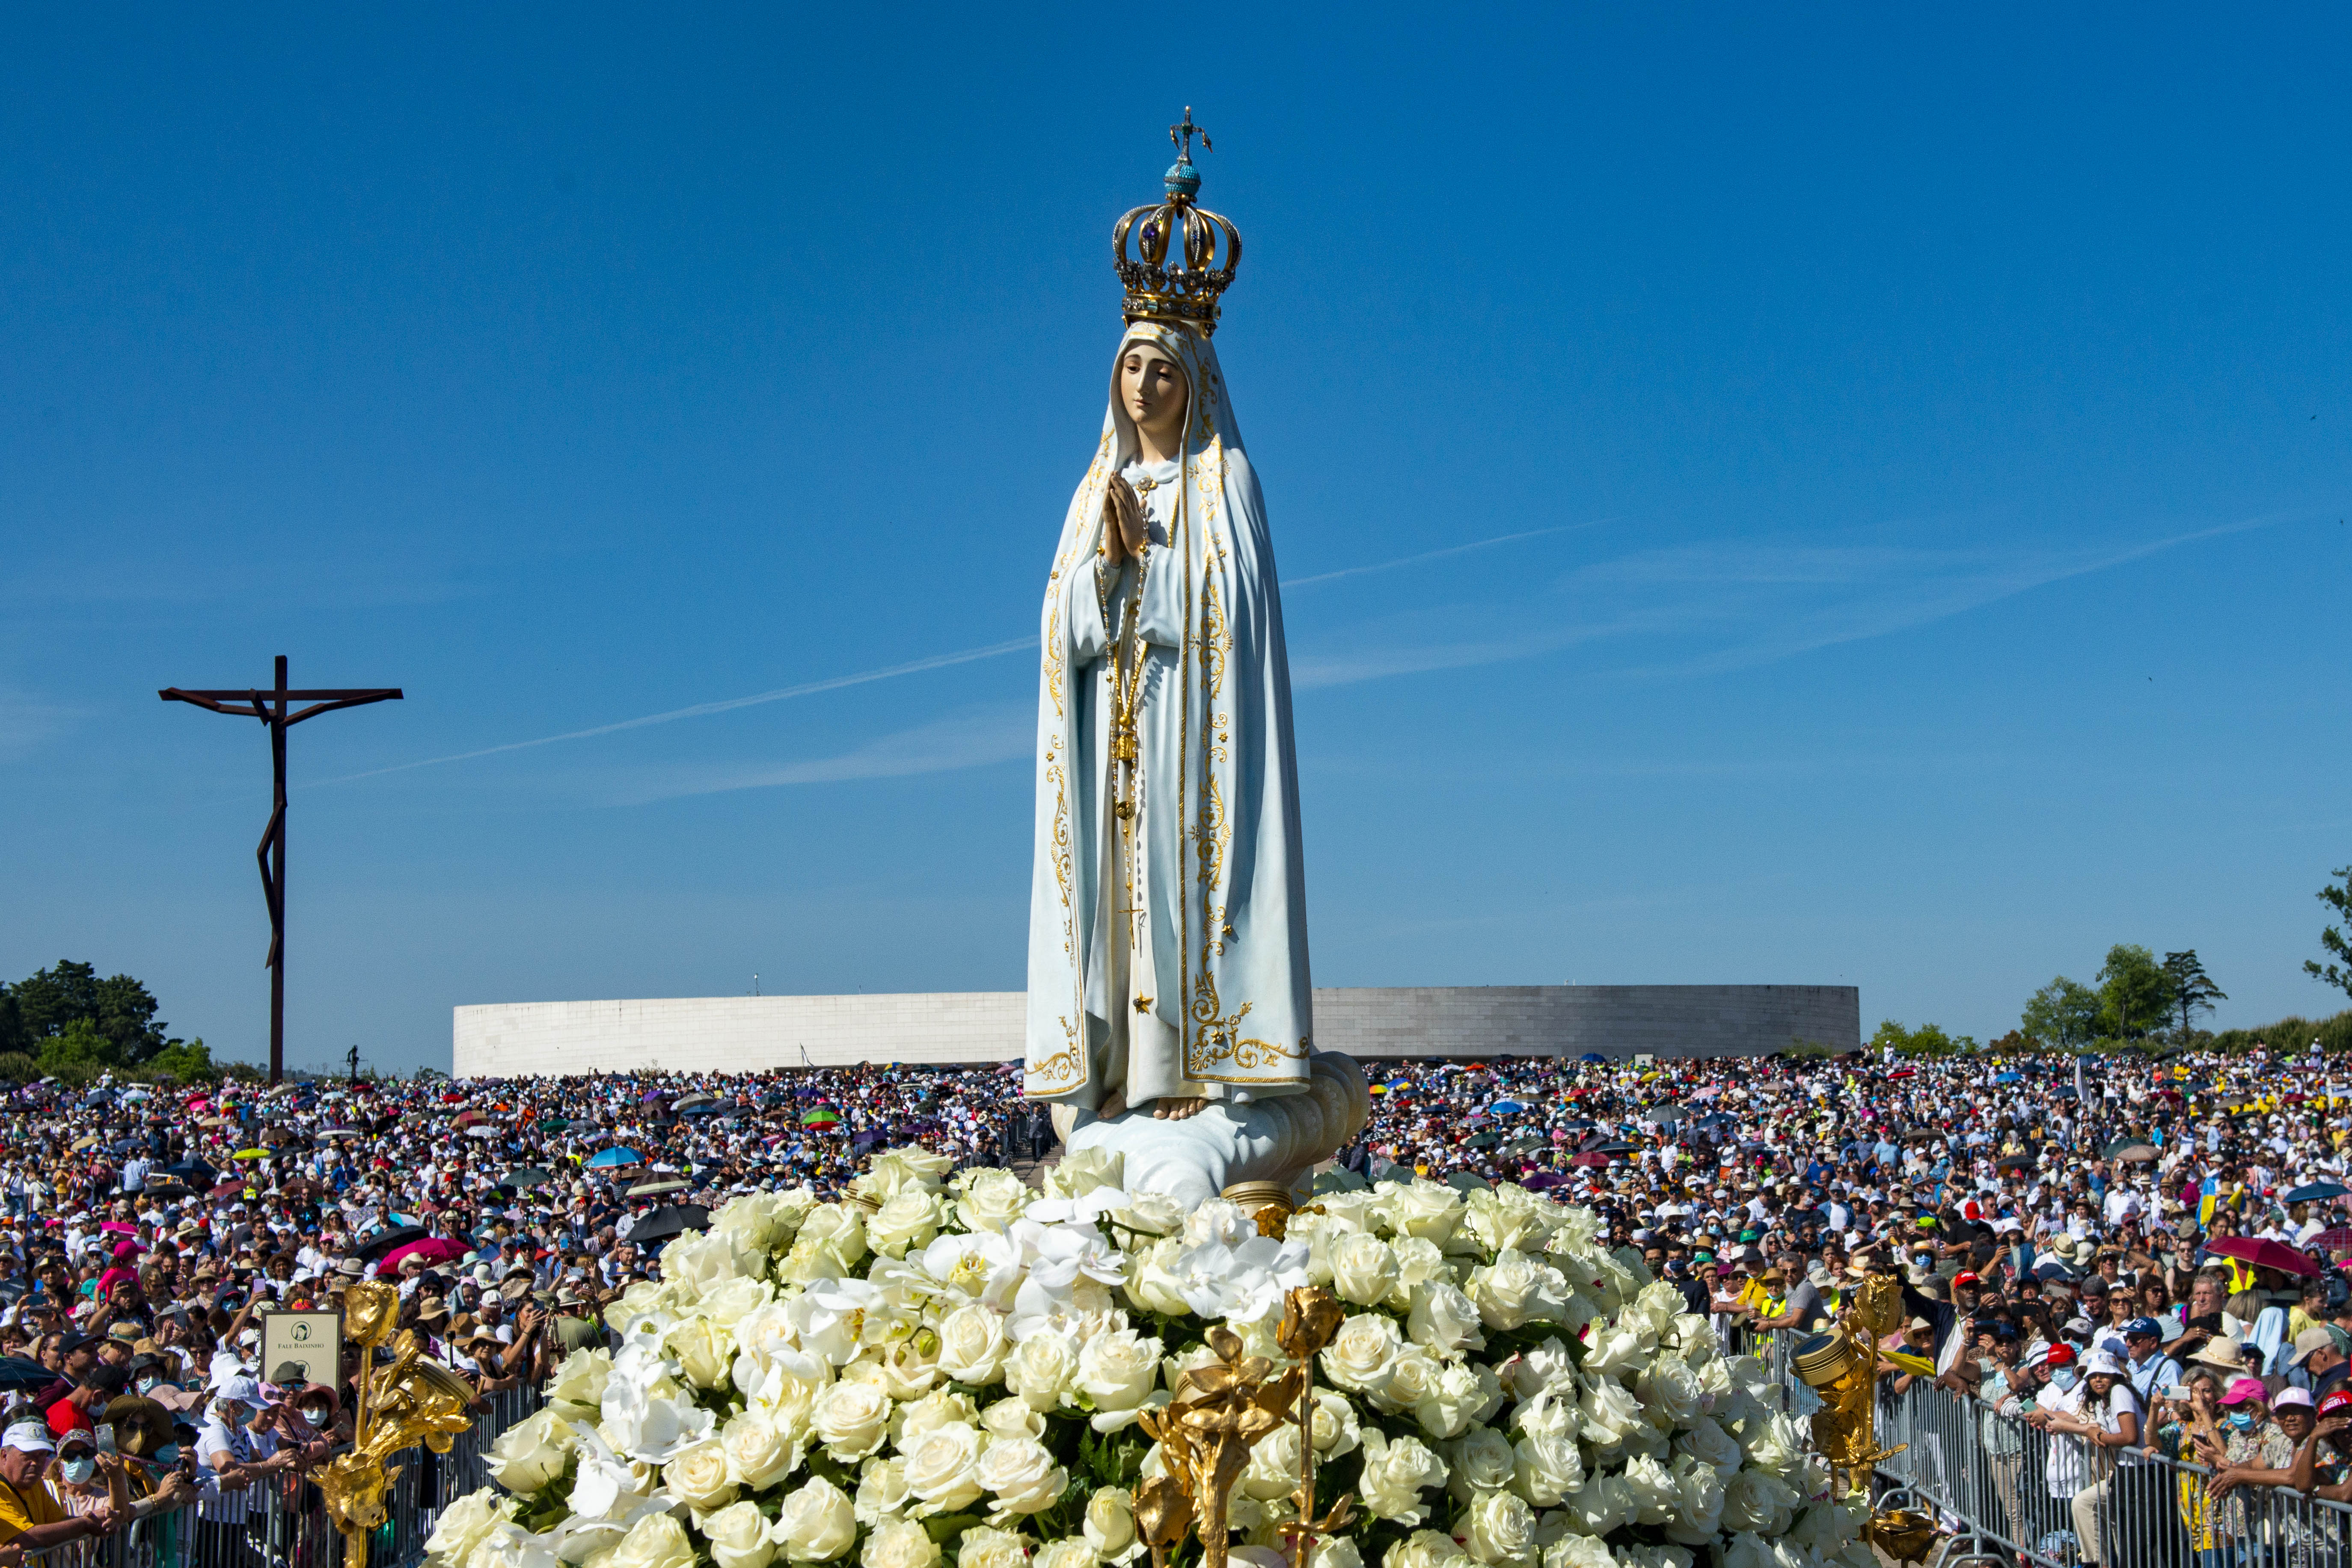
234, 1456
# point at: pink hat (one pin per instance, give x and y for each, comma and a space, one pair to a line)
2291, 1398
2243, 1389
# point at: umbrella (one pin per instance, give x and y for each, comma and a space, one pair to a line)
191, 1171
553, 1124
1505, 1106
433, 1249
526, 1176
228, 1189
481, 1130
1592, 1057
1590, 1157
1377, 1088
2333, 1239
708, 1108
339, 1132
2317, 1192
385, 1241
81, 1145
1483, 1141
691, 1101
21, 1373
467, 1119
2014, 1162
653, 1189
2135, 1150
671, 1219
2008, 1078
2263, 1253
250, 1155
606, 1158
133, 1096
820, 1119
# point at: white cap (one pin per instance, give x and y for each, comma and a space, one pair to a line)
29, 1438
241, 1389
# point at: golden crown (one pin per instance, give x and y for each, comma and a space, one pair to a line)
1184, 294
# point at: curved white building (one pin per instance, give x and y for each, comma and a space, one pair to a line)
747, 1033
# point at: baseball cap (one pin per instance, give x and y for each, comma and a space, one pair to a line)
2316, 1338
1965, 1277
2291, 1398
2340, 1399
29, 1438
2138, 1326
2243, 1389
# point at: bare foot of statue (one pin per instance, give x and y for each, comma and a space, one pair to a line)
1168, 1108
1113, 1104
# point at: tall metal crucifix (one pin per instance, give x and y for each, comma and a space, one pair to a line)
272, 707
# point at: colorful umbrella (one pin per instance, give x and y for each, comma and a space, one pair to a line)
820, 1119
250, 1155
2263, 1253
607, 1159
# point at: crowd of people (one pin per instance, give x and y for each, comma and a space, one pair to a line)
2147, 1256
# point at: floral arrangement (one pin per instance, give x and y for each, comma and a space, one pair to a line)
949, 1367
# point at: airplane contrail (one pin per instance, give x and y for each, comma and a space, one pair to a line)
888, 672
783, 693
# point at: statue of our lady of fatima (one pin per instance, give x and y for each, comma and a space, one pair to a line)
1168, 908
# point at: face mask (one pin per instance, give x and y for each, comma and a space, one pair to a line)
315, 1418
169, 1454
77, 1471
147, 1384
2063, 1377
2242, 1420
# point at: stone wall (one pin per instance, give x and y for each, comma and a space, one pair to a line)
742, 1033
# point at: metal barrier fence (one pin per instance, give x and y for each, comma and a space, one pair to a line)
2011, 1491
281, 1521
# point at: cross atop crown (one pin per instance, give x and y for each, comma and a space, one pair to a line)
1182, 135
1184, 254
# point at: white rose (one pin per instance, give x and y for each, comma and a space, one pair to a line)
1117, 1370
698, 1260
900, 1543
1360, 1356
656, 1540
1514, 1290
1546, 1467
728, 1302
1656, 1499
739, 1536
1669, 1390
1699, 1502
1455, 1397
1481, 1461
1394, 1474
1600, 1505
1071, 1552
1579, 1552
702, 1349
1496, 1221
1040, 1367
1499, 1527
1110, 1525
1152, 1282
973, 1345
1362, 1269
579, 1382
817, 1524
464, 1524
1011, 1418
757, 1217
985, 1548
941, 1407
910, 1365
1772, 1446
881, 1490
910, 1218
1338, 1429
1711, 1445
942, 1469
1419, 1262
699, 1477
1444, 1319
533, 1451
1021, 1472
1272, 1468
851, 1419
1081, 1170
1611, 1412
1755, 1500
1151, 1214
1749, 1550
1338, 1551
761, 1450
992, 1200
1423, 1549
1425, 1209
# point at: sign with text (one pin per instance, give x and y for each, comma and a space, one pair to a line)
311, 1341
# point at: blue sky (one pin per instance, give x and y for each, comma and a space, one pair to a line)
1905, 460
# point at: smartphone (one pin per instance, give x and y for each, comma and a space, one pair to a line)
2174, 1391
105, 1437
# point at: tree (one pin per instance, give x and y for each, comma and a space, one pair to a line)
80, 1044
190, 1062
2065, 1013
53, 1000
2135, 993
2193, 990
2332, 939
